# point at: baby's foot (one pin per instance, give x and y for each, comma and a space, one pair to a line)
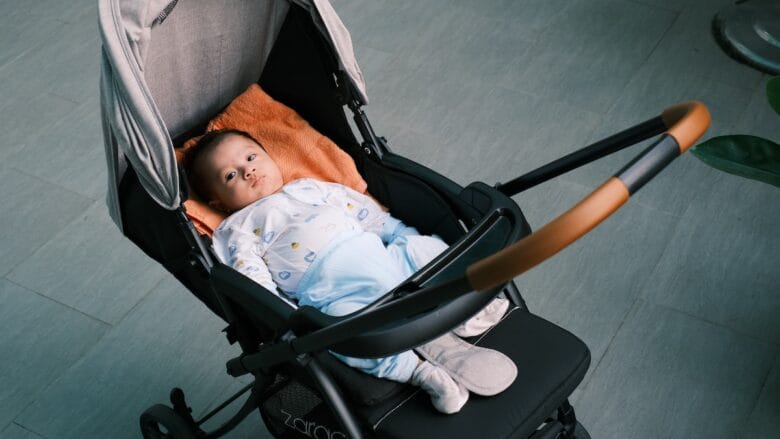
447, 395
483, 320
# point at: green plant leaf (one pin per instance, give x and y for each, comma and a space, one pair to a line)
773, 93
746, 156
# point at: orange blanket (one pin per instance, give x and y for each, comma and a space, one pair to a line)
298, 149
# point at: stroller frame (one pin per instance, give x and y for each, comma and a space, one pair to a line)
281, 345
562, 424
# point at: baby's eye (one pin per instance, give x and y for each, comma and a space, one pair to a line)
230, 176
251, 157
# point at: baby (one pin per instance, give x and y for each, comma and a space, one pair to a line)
323, 244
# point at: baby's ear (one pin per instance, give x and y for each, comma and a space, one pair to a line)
215, 204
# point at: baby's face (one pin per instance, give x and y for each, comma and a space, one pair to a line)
239, 172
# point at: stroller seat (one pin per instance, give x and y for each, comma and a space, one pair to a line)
551, 362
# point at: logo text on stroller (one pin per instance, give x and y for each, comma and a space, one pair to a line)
311, 428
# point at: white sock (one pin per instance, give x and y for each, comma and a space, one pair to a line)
483, 320
447, 395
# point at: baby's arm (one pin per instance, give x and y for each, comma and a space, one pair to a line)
368, 212
238, 249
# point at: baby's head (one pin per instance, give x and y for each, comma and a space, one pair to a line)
231, 171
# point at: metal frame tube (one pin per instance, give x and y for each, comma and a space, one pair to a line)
590, 153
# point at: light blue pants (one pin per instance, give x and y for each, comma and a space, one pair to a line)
357, 269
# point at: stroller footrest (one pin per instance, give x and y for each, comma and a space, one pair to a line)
551, 362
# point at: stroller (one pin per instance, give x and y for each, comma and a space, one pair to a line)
170, 65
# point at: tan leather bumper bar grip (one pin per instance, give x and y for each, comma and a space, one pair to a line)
686, 122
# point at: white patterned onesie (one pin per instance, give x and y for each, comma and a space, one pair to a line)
330, 247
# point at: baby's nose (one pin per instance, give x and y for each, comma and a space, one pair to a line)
250, 173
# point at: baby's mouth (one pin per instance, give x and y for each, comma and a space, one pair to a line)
257, 180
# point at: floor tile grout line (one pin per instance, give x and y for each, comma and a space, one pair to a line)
54, 236
142, 298
72, 192
733, 331
734, 123
721, 325
611, 340
724, 83
767, 374
601, 115
655, 6
678, 14
772, 345
14, 59
91, 317
614, 101
761, 85
86, 353
775, 358
54, 183
638, 297
58, 233
42, 390
40, 44
27, 428
644, 61
51, 93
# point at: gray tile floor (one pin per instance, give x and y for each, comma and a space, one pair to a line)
677, 294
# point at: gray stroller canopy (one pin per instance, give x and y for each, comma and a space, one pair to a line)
170, 64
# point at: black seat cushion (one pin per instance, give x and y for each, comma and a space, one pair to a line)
359, 387
551, 362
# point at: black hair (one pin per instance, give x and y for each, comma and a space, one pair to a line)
207, 143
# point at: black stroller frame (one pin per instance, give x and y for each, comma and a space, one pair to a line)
285, 348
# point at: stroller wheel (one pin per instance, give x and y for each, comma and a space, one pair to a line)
162, 422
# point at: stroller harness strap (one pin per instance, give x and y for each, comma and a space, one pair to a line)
686, 122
